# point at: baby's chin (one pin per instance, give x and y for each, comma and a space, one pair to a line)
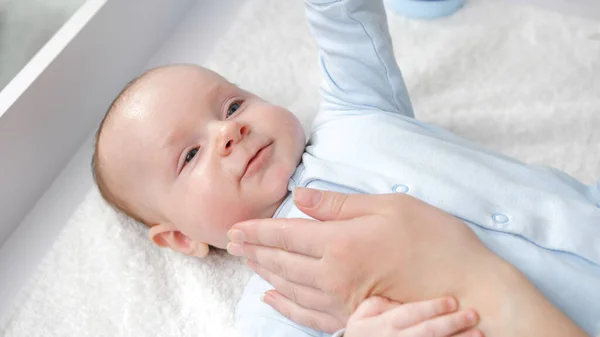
272, 196
263, 213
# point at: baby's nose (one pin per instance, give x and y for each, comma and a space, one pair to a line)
232, 133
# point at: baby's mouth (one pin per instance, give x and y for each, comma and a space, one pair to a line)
256, 161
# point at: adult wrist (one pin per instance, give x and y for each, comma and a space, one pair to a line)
509, 305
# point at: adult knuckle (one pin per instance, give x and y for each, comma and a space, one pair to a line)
286, 242
292, 293
283, 272
335, 285
314, 322
250, 252
305, 318
309, 278
337, 202
278, 268
399, 204
339, 249
281, 238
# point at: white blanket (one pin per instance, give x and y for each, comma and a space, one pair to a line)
520, 80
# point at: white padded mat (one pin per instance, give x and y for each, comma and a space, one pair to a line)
520, 80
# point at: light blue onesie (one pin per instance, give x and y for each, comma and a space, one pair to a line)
365, 140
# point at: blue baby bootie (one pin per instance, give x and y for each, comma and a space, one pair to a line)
424, 9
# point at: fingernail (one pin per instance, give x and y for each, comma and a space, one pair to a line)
236, 235
268, 299
235, 248
307, 197
471, 317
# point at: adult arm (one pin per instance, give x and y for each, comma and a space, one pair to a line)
393, 246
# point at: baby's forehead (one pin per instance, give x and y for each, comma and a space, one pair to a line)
164, 88
156, 102
179, 74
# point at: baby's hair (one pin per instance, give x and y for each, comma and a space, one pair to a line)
108, 194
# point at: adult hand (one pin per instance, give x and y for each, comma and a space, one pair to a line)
324, 270
392, 246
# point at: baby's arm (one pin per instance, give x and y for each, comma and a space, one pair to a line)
377, 316
356, 57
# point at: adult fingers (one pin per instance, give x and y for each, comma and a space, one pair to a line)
442, 326
293, 267
304, 296
311, 318
326, 205
302, 236
416, 312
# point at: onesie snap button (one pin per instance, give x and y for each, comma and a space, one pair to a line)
500, 218
400, 188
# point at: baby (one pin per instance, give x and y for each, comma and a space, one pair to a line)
189, 154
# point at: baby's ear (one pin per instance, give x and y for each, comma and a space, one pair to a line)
165, 236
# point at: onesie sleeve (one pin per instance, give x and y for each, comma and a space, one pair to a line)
356, 57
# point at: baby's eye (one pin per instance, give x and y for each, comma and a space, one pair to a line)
190, 155
233, 108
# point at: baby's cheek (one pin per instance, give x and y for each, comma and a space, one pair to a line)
205, 224
201, 211
276, 183
224, 212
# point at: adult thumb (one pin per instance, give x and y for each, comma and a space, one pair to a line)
326, 205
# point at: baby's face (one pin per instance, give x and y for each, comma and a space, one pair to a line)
193, 151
